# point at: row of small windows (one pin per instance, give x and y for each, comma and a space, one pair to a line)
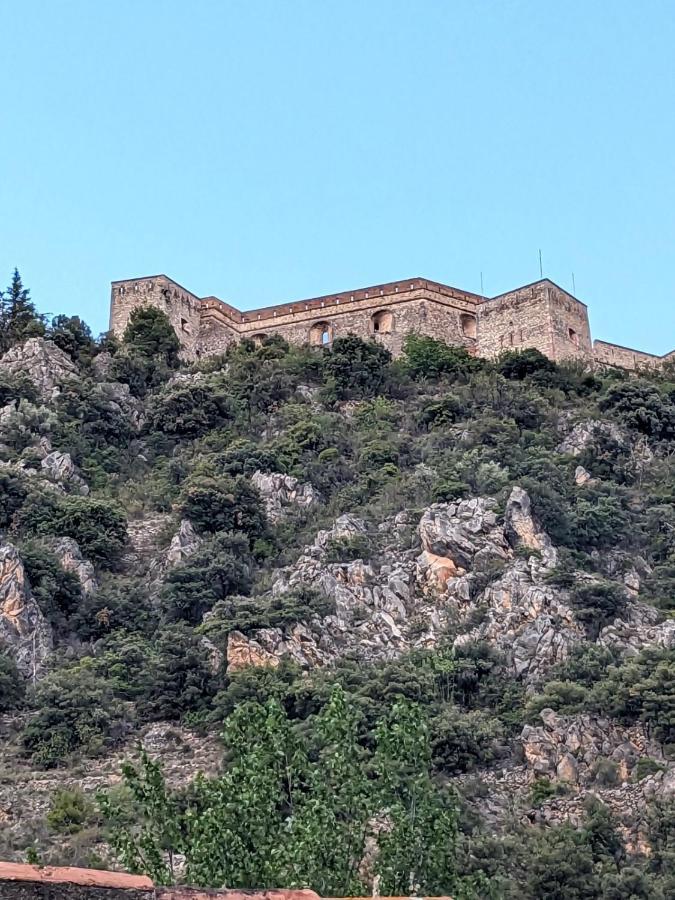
381, 322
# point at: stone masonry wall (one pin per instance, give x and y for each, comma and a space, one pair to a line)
516, 320
387, 317
539, 315
183, 308
624, 357
571, 333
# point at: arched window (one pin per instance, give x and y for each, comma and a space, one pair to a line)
321, 334
259, 338
468, 323
573, 336
382, 322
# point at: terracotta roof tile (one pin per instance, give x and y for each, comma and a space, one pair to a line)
68, 875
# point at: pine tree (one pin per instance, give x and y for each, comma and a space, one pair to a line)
18, 317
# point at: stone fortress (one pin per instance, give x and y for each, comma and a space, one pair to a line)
540, 315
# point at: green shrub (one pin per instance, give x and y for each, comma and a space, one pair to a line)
543, 789
247, 614
646, 766
348, 549
190, 410
119, 605
641, 407
640, 689
57, 592
357, 368
225, 503
74, 337
180, 677
16, 387
69, 811
461, 741
13, 493
12, 688
219, 568
150, 334
98, 526
427, 357
75, 710
562, 696
597, 603
605, 772
519, 364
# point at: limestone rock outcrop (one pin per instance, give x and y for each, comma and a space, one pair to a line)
24, 631
280, 491
522, 531
118, 399
584, 434
42, 361
243, 652
571, 747
70, 556
639, 627
466, 565
183, 544
61, 470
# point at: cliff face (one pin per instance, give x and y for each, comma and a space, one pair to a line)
494, 541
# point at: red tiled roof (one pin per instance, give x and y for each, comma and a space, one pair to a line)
69, 875
120, 881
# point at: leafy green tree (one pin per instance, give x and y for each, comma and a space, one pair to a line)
216, 570
75, 710
98, 526
357, 368
519, 364
19, 319
417, 850
597, 603
11, 684
319, 796
224, 504
74, 337
57, 592
150, 334
428, 358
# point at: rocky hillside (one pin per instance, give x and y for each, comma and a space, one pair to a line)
493, 542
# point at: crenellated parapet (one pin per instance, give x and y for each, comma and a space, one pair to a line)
540, 315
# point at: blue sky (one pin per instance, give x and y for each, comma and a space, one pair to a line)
265, 151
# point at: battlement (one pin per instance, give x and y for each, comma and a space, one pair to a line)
540, 314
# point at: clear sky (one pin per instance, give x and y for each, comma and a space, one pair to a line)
268, 150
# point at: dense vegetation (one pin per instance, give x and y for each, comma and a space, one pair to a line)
435, 425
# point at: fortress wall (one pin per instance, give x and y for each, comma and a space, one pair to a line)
181, 306
387, 318
516, 320
539, 315
624, 357
571, 332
